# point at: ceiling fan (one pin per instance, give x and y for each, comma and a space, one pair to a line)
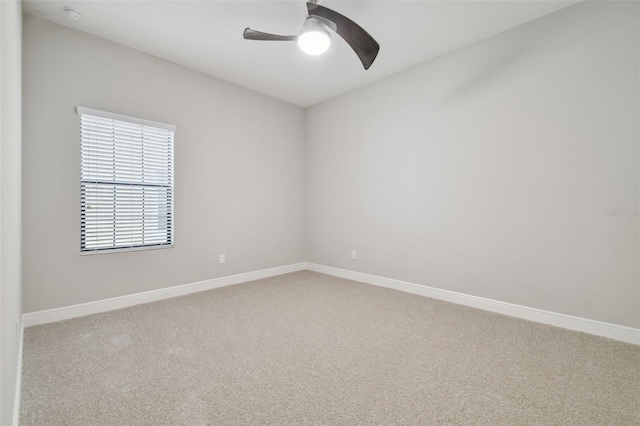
314, 38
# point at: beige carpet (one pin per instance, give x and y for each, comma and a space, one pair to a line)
306, 348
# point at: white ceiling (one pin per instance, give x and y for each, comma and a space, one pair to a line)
207, 36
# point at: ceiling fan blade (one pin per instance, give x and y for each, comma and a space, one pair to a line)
250, 34
360, 41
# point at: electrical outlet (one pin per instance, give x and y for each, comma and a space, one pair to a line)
223, 258
353, 255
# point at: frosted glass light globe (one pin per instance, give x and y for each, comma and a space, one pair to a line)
314, 39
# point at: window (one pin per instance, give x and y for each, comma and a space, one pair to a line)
126, 184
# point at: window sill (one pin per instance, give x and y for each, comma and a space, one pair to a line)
125, 249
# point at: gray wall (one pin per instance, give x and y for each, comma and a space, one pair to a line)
240, 161
10, 195
488, 171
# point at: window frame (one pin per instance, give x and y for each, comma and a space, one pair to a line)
170, 215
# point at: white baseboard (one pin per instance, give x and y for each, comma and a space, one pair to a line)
599, 328
74, 311
613, 331
18, 394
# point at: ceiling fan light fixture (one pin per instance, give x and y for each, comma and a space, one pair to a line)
314, 39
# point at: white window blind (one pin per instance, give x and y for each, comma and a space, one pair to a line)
126, 182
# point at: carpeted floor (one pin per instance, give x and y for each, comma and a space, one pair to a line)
307, 348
